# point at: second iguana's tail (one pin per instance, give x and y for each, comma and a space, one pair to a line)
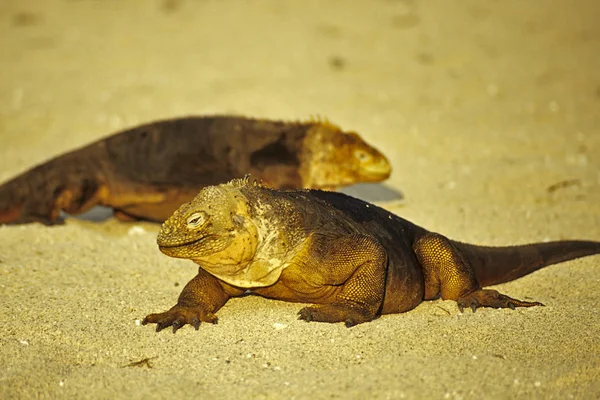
494, 265
66, 183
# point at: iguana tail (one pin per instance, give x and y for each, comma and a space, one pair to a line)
494, 265
69, 183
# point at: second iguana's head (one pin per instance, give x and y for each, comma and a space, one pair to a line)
215, 228
332, 158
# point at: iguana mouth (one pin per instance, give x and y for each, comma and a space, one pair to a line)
182, 244
377, 171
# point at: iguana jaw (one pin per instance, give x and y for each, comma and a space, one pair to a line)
166, 239
164, 245
172, 251
196, 249
376, 172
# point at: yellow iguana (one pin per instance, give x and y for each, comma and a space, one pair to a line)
354, 261
148, 171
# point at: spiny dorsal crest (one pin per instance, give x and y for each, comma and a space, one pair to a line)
324, 122
247, 180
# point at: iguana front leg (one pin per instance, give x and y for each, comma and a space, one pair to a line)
448, 274
344, 275
200, 299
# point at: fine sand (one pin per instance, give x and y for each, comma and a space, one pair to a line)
488, 110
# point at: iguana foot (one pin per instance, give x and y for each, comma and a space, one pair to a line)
333, 313
178, 316
491, 298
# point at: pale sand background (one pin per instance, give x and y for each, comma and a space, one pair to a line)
480, 105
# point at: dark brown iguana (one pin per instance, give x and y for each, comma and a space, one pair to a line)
148, 171
353, 260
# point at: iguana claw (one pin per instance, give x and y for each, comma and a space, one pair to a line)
177, 324
304, 315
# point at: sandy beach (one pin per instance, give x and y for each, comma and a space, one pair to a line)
488, 111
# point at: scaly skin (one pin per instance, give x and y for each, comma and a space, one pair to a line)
148, 171
354, 261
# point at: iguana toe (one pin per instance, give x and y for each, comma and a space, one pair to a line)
178, 316
160, 327
305, 314
178, 323
350, 323
491, 298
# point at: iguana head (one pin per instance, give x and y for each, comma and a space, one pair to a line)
333, 158
214, 229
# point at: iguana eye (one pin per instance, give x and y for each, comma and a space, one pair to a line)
362, 155
196, 219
